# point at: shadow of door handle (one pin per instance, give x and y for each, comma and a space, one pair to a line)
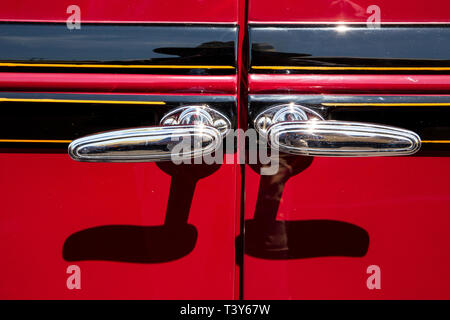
299, 130
198, 130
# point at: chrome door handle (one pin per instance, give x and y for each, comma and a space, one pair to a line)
299, 130
200, 126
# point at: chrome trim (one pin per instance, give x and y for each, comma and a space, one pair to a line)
341, 139
283, 112
203, 114
199, 129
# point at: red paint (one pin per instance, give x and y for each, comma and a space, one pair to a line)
335, 83
403, 204
303, 11
47, 197
117, 83
119, 11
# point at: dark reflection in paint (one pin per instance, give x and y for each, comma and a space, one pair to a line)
268, 238
335, 46
146, 244
128, 243
125, 44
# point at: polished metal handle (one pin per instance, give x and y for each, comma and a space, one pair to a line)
201, 127
299, 130
342, 139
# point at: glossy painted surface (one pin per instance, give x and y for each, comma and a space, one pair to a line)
108, 82
52, 120
123, 11
163, 231
319, 227
340, 216
125, 214
340, 83
57, 212
142, 230
116, 48
426, 115
304, 11
349, 49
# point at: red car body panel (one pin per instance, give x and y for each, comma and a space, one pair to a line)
348, 11
403, 208
138, 83
344, 83
132, 11
400, 204
47, 197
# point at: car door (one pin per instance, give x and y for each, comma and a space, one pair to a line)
325, 226
107, 227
